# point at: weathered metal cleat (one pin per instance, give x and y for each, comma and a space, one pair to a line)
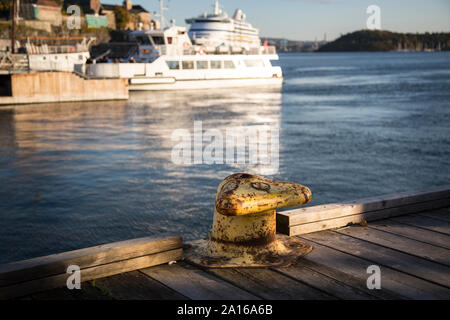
244, 226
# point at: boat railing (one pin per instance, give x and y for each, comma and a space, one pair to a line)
46, 49
54, 45
171, 50
248, 51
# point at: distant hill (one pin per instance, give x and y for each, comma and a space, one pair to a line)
375, 40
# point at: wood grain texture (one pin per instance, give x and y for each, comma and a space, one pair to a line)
329, 280
329, 211
269, 284
54, 264
394, 284
196, 284
135, 285
87, 292
52, 282
425, 223
441, 214
383, 256
412, 232
400, 243
365, 216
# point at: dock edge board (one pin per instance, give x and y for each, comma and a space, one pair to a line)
330, 216
43, 273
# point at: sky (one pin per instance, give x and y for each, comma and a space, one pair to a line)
312, 19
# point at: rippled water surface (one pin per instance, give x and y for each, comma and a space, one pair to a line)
351, 125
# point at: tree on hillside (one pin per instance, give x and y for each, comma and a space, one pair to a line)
122, 17
377, 40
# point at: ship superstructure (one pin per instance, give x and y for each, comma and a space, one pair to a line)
166, 59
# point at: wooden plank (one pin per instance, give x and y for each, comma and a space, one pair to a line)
196, 284
43, 284
89, 291
54, 294
136, 285
333, 282
394, 284
416, 233
425, 223
383, 256
366, 216
269, 284
40, 267
441, 214
337, 210
400, 243
357, 284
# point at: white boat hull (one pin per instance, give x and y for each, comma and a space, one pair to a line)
190, 72
205, 84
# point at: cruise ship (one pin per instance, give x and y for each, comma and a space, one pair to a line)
217, 29
167, 59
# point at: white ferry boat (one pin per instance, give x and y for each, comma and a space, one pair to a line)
166, 59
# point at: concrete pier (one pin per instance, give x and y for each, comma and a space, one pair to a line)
43, 87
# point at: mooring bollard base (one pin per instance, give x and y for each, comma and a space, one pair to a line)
282, 252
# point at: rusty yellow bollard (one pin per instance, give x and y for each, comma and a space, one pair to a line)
244, 225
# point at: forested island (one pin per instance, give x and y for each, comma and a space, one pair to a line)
376, 40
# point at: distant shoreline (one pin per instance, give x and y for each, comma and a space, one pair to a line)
385, 41
369, 41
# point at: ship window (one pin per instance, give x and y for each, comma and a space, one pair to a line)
169, 40
143, 40
253, 63
228, 64
188, 64
173, 65
158, 40
216, 64
202, 64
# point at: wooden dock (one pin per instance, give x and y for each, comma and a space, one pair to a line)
406, 235
43, 87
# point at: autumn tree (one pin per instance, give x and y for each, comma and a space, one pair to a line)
122, 17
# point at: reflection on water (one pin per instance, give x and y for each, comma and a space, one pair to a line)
80, 174
351, 125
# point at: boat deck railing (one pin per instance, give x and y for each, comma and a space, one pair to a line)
171, 50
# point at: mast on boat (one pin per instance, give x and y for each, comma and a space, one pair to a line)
13, 26
161, 13
216, 8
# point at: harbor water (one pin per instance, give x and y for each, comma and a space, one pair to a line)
351, 125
